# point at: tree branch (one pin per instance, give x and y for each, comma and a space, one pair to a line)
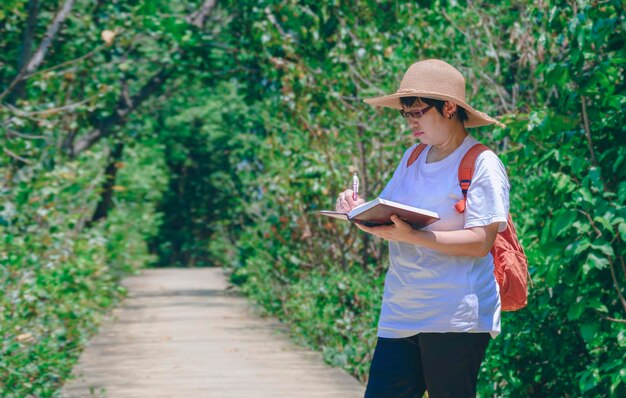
66, 63
616, 284
591, 222
53, 29
40, 54
47, 112
127, 104
106, 197
608, 318
589, 141
199, 16
14, 133
27, 44
278, 27
469, 39
16, 156
588, 131
124, 107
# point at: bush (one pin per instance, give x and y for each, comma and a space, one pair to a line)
58, 277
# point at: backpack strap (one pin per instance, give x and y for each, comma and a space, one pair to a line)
415, 154
466, 169
466, 172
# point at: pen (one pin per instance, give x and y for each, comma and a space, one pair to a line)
355, 186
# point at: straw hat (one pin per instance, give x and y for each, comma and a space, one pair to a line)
437, 80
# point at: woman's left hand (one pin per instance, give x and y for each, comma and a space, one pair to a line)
400, 231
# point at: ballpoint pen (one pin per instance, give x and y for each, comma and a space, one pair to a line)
355, 186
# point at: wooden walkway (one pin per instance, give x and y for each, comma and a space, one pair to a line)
181, 334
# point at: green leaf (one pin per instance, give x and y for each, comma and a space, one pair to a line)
552, 274
589, 379
617, 379
622, 231
621, 191
595, 304
597, 262
576, 309
578, 164
618, 162
596, 178
621, 338
563, 182
604, 247
562, 222
582, 227
588, 331
584, 195
545, 233
604, 222
556, 75
577, 247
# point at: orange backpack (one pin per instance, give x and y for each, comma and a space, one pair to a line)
511, 264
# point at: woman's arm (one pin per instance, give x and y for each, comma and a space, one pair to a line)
475, 241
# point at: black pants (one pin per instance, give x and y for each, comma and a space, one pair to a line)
445, 364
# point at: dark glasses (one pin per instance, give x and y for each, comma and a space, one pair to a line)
416, 114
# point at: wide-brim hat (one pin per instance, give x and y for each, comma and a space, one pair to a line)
434, 79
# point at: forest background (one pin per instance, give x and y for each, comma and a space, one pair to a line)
189, 133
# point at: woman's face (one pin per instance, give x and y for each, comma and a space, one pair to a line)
431, 128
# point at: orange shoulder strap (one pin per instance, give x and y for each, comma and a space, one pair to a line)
415, 154
466, 172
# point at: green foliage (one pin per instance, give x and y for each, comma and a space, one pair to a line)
200, 136
60, 270
59, 278
230, 174
135, 219
553, 71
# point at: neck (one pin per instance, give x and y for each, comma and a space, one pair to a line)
442, 150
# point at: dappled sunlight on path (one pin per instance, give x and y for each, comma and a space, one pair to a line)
180, 333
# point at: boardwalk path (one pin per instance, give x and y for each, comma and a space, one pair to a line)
181, 334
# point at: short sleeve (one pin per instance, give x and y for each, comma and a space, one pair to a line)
488, 194
390, 187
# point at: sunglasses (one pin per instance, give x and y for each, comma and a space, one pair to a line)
415, 114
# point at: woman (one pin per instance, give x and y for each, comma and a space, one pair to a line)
441, 303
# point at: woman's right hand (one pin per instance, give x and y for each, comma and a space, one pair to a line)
345, 202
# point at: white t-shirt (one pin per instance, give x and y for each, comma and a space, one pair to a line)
426, 290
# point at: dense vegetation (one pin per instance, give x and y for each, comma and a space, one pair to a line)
190, 133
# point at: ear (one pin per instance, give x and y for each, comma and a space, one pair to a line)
449, 109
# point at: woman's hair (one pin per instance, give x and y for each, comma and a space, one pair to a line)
410, 101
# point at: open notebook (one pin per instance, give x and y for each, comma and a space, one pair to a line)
378, 212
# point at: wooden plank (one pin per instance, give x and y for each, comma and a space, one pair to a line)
180, 333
